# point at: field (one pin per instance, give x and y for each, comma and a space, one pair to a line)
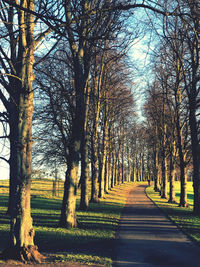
183, 217
91, 242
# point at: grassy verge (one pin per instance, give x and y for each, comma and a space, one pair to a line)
182, 217
90, 243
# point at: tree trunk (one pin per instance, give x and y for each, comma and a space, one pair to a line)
135, 170
172, 196
164, 180
104, 154
122, 163
84, 201
106, 176
179, 129
94, 157
183, 192
62, 221
195, 153
74, 156
141, 168
102, 174
68, 219
115, 169
112, 184
164, 165
156, 189
94, 182
81, 66
99, 69
73, 162
21, 242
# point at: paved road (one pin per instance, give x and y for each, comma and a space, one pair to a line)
147, 238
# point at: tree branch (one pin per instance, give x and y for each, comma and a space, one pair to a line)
6, 160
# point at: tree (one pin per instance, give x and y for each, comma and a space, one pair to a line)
190, 69
182, 34
55, 109
17, 32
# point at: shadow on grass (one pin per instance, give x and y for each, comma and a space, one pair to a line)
4, 186
4, 221
96, 223
94, 235
105, 208
61, 240
3, 200
45, 203
190, 197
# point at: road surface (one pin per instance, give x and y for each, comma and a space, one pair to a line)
147, 238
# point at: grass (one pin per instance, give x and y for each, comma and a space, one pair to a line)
182, 217
90, 243
189, 191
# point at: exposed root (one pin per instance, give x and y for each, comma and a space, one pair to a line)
67, 225
94, 200
183, 205
25, 254
172, 201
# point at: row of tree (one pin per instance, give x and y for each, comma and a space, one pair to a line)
88, 36
172, 103
83, 107
105, 152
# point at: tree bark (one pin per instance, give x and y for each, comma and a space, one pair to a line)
156, 189
183, 193
164, 165
94, 179
195, 152
172, 196
21, 242
84, 201
104, 153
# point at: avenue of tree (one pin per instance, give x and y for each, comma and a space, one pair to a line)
71, 56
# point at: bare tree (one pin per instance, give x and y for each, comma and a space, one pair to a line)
17, 48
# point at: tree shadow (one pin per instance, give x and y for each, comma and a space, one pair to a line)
92, 237
190, 197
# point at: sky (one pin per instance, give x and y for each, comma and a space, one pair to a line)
4, 171
140, 59
4, 168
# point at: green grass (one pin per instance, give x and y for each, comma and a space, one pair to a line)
90, 243
182, 217
189, 191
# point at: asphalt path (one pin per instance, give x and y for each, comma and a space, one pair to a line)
146, 237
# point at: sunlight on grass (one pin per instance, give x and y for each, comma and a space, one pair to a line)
177, 190
83, 258
90, 243
182, 217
